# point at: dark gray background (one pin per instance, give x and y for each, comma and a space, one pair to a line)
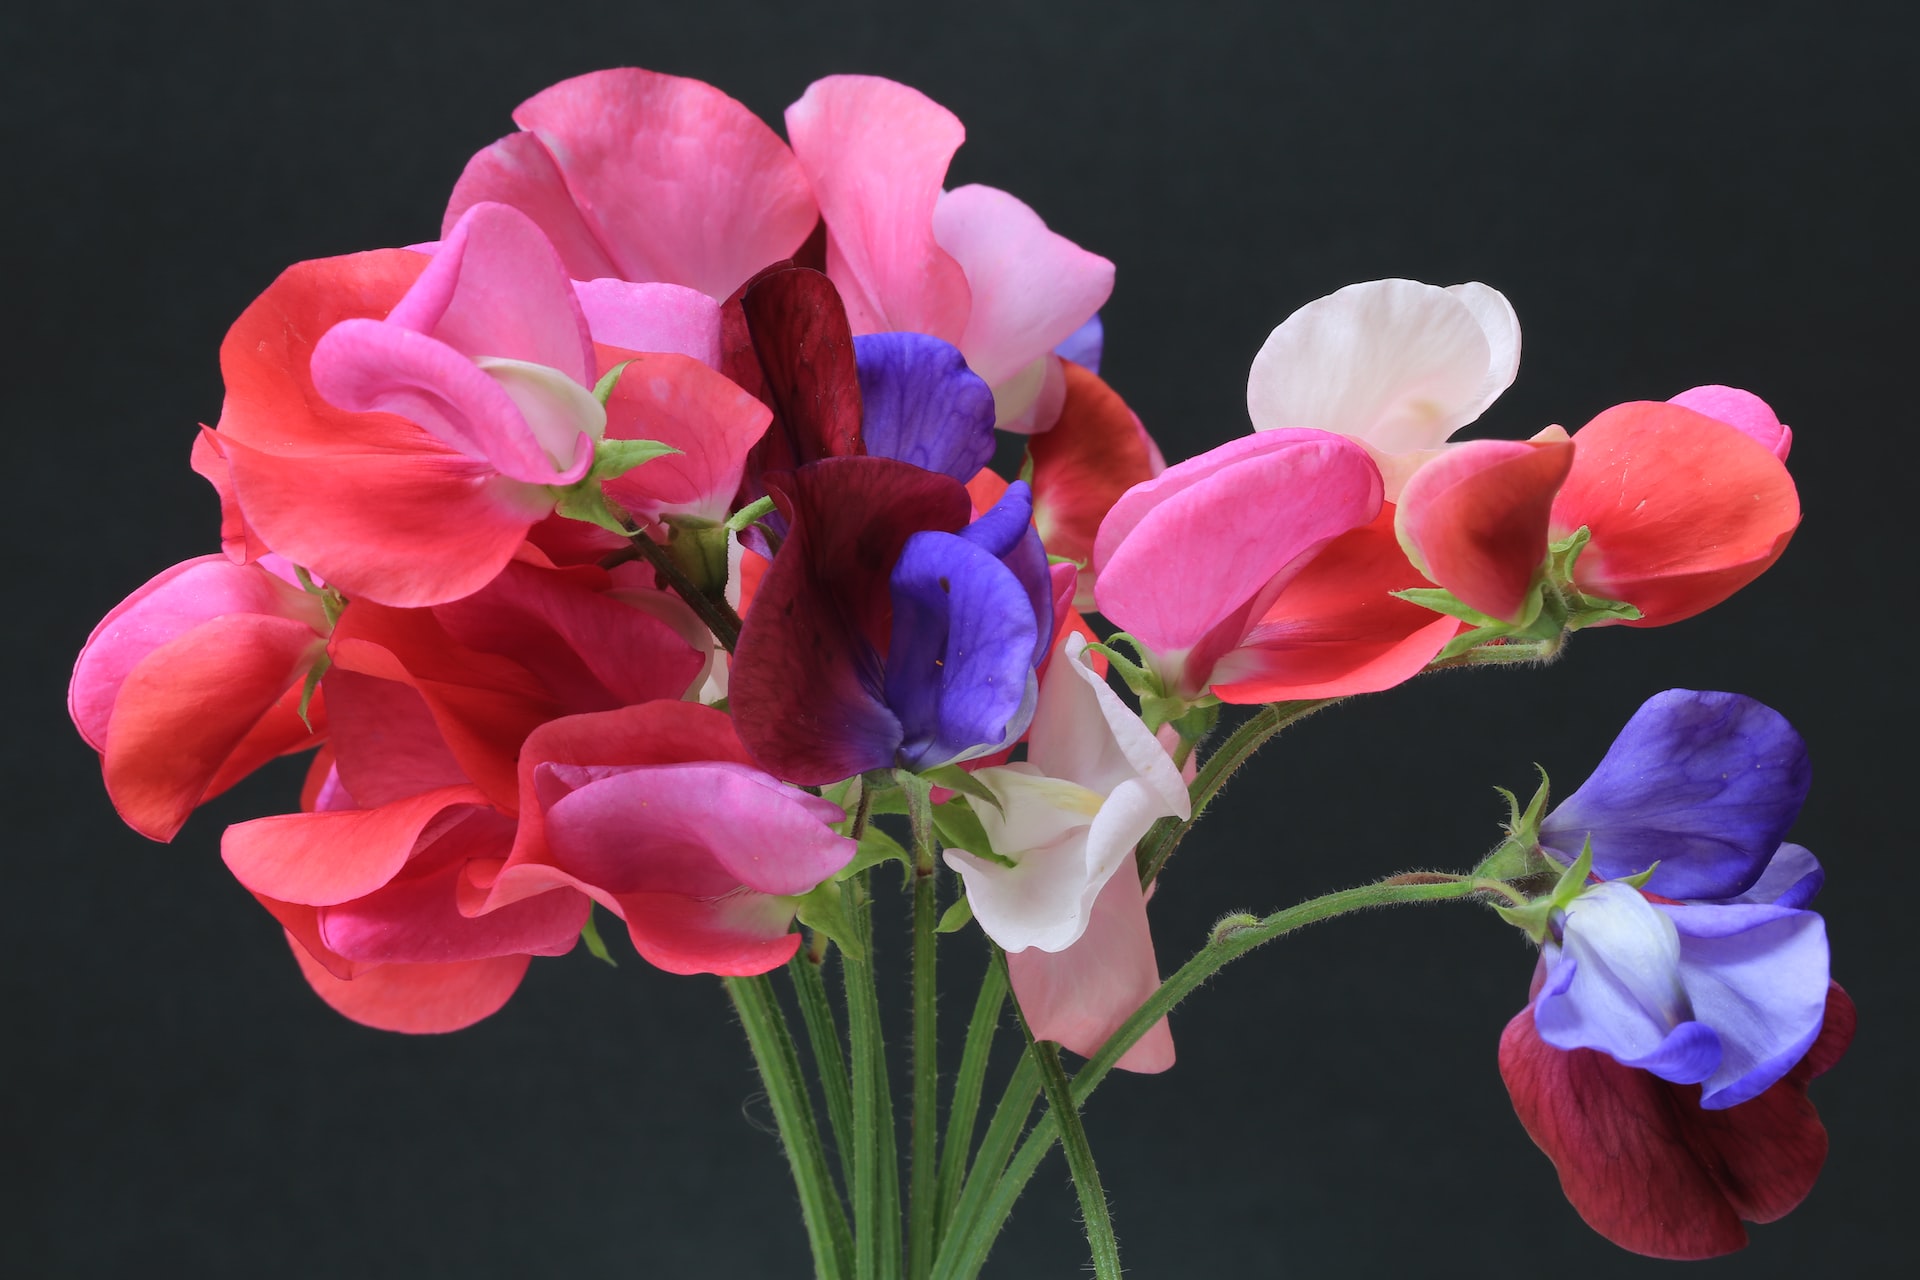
1669, 194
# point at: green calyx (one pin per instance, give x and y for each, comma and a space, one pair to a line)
584, 499
1554, 608
699, 547
1536, 918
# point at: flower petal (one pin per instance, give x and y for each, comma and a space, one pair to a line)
1094, 453
1475, 520
325, 858
654, 317
419, 999
713, 423
920, 403
1741, 409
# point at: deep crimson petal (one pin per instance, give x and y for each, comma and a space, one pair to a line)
1096, 451
807, 677
1684, 509
420, 999
1646, 1166
804, 350
1475, 519
326, 858
1336, 628
184, 710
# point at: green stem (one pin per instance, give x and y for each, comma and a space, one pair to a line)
923, 1208
823, 1036
1064, 1112
1165, 835
1231, 940
967, 1086
960, 1256
779, 1064
876, 1170
714, 611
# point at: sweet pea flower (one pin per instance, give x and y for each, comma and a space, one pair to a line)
194, 681
397, 423
621, 806
1663, 1059
1193, 563
1681, 510
889, 630
1058, 888
1398, 365
1741, 409
370, 901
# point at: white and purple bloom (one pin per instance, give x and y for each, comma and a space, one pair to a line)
1692, 962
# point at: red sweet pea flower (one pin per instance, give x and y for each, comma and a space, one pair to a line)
1651, 1170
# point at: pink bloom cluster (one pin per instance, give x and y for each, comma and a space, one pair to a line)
494, 508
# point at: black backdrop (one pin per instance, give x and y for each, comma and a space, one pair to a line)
1669, 194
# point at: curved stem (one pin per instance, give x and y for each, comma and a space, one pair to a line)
716, 613
1231, 940
1165, 835
1064, 1112
779, 1064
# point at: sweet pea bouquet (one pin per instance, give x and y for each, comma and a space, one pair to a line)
635, 552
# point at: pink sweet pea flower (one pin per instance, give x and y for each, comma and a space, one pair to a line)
974, 266
1741, 409
1070, 911
1189, 562
194, 681
1398, 365
370, 898
621, 805
404, 458
646, 177
1475, 521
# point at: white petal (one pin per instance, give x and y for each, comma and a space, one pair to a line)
1082, 731
557, 408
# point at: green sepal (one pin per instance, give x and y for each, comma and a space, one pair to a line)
739, 521
955, 918
1441, 600
596, 945
954, 778
960, 828
585, 501
1545, 616
823, 909
614, 458
312, 686
1518, 857
699, 547
1591, 610
1468, 640
1199, 719
1026, 467
1564, 554
603, 389
331, 601
1639, 878
1144, 682
876, 847
1537, 916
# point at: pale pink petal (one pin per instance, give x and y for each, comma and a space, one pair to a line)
1031, 287
652, 317
518, 170
1079, 997
1030, 402
1741, 409
876, 154
678, 182
1181, 553
496, 288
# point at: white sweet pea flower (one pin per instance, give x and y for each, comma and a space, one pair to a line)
1094, 780
1396, 364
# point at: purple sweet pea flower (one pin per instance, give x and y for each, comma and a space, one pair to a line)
972, 616
1705, 784
1084, 345
920, 403
1725, 995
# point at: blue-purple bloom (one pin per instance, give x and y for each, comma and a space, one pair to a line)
920, 403
1727, 988
1705, 784
1084, 345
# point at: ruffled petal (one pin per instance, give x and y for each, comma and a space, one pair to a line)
876, 154
419, 999
321, 859
1758, 976
920, 403
656, 318
713, 423
1741, 409
1684, 510
1705, 784
1475, 520
1096, 451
